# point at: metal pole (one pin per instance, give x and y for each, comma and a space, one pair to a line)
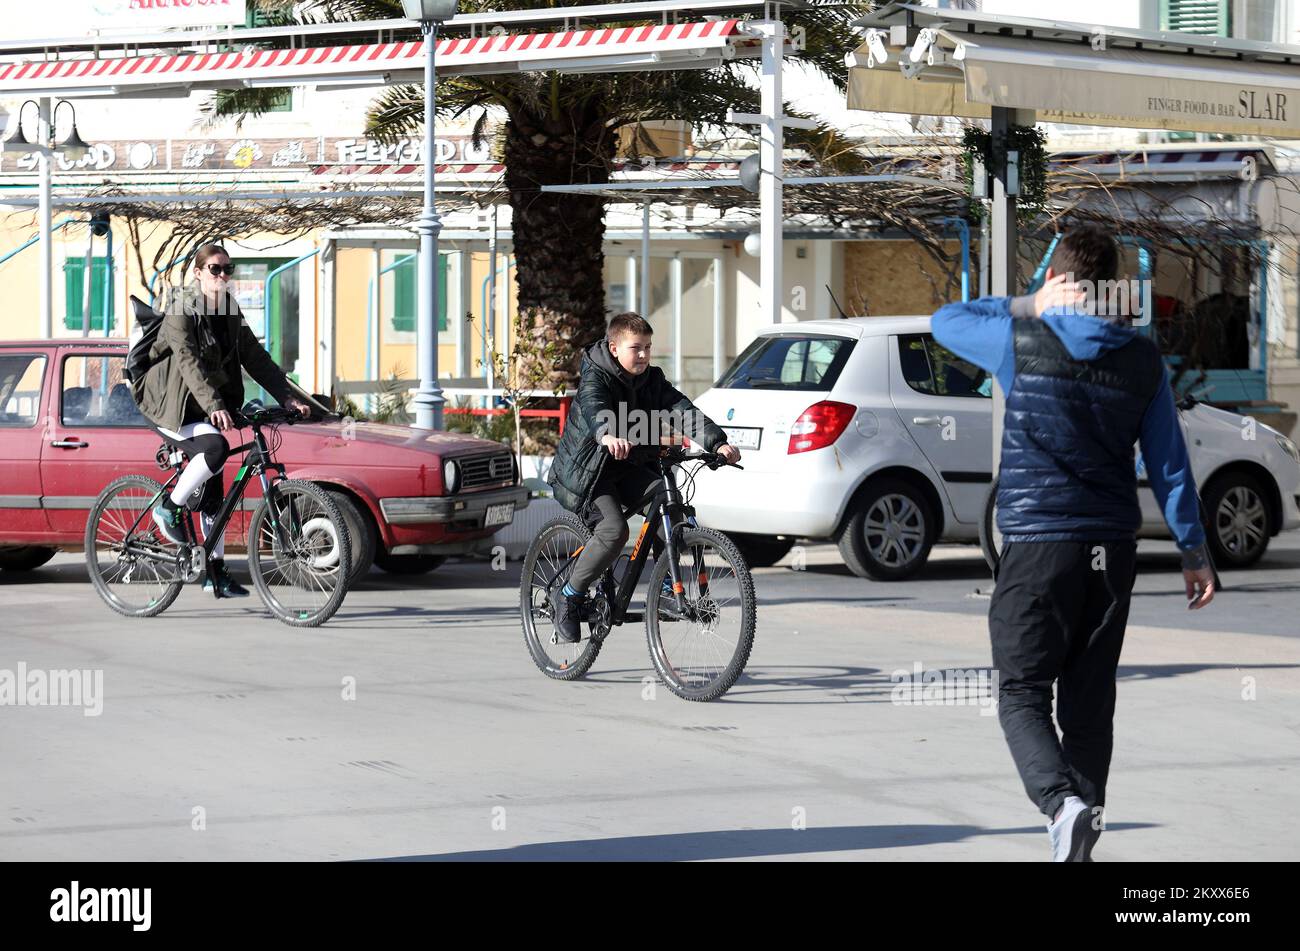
1003, 237
770, 156
719, 330
1002, 257
678, 372
87, 283
44, 136
630, 278
984, 251
428, 399
490, 320
374, 311
108, 283
645, 260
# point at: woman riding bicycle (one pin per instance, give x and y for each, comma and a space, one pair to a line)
193, 385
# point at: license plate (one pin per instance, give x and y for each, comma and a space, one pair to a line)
501, 514
744, 437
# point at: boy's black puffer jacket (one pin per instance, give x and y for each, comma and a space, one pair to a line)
604, 385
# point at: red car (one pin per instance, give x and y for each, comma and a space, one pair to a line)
68, 427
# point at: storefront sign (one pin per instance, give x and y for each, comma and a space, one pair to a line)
246, 154
69, 18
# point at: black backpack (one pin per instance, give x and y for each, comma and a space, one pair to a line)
143, 337
147, 324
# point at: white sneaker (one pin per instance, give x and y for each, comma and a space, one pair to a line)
1071, 832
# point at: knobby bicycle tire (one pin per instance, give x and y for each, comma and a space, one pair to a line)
579, 666
716, 687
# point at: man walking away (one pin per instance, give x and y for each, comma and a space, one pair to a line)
1082, 386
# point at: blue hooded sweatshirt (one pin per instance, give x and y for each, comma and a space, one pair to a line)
982, 331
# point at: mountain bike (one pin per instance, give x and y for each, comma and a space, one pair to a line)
298, 545
699, 608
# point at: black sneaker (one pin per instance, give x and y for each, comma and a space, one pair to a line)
167, 516
567, 615
221, 582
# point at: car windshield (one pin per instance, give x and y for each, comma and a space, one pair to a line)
789, 362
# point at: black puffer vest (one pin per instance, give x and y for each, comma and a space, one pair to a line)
1068, 467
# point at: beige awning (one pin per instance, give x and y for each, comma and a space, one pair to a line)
1073, 82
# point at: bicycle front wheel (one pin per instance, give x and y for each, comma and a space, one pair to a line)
299, 553
701, 649
133, 566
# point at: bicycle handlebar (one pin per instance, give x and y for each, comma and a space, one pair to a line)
679, 454
276, 415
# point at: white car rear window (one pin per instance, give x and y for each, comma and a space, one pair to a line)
794, 362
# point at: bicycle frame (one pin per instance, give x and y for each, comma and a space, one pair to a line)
257, 462
666, 511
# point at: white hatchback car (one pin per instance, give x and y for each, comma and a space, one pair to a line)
868, 432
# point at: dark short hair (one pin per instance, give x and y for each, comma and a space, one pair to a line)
628, 322
1088, 252
206, 252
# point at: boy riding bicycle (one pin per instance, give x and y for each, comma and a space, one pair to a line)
619, 403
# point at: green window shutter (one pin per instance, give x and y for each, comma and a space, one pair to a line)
257, 17
74, 284
1206, 17
406, 296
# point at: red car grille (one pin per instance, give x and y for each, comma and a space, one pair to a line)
487, 469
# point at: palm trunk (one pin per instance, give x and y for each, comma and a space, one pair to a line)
558, 238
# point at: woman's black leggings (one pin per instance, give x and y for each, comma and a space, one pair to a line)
208, 451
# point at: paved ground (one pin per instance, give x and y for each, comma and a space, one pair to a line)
455, 745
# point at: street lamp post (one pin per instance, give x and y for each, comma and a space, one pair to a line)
72, 147
428, 398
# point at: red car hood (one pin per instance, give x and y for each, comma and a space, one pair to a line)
379, 444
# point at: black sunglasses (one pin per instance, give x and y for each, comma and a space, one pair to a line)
218, 269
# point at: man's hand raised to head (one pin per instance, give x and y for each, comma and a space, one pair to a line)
1200, 587
1057, 291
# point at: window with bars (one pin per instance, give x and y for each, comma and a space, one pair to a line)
74, 285
1206, 17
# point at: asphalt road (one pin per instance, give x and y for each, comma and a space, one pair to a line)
225, 735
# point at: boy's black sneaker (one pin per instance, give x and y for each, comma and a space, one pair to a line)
567, 612
221, 582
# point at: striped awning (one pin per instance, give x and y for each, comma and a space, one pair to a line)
666, 46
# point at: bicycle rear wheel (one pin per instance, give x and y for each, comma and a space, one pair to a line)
700, 653
133, 566
546, 568
299, 553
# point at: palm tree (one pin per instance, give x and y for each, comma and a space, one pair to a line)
563, 128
